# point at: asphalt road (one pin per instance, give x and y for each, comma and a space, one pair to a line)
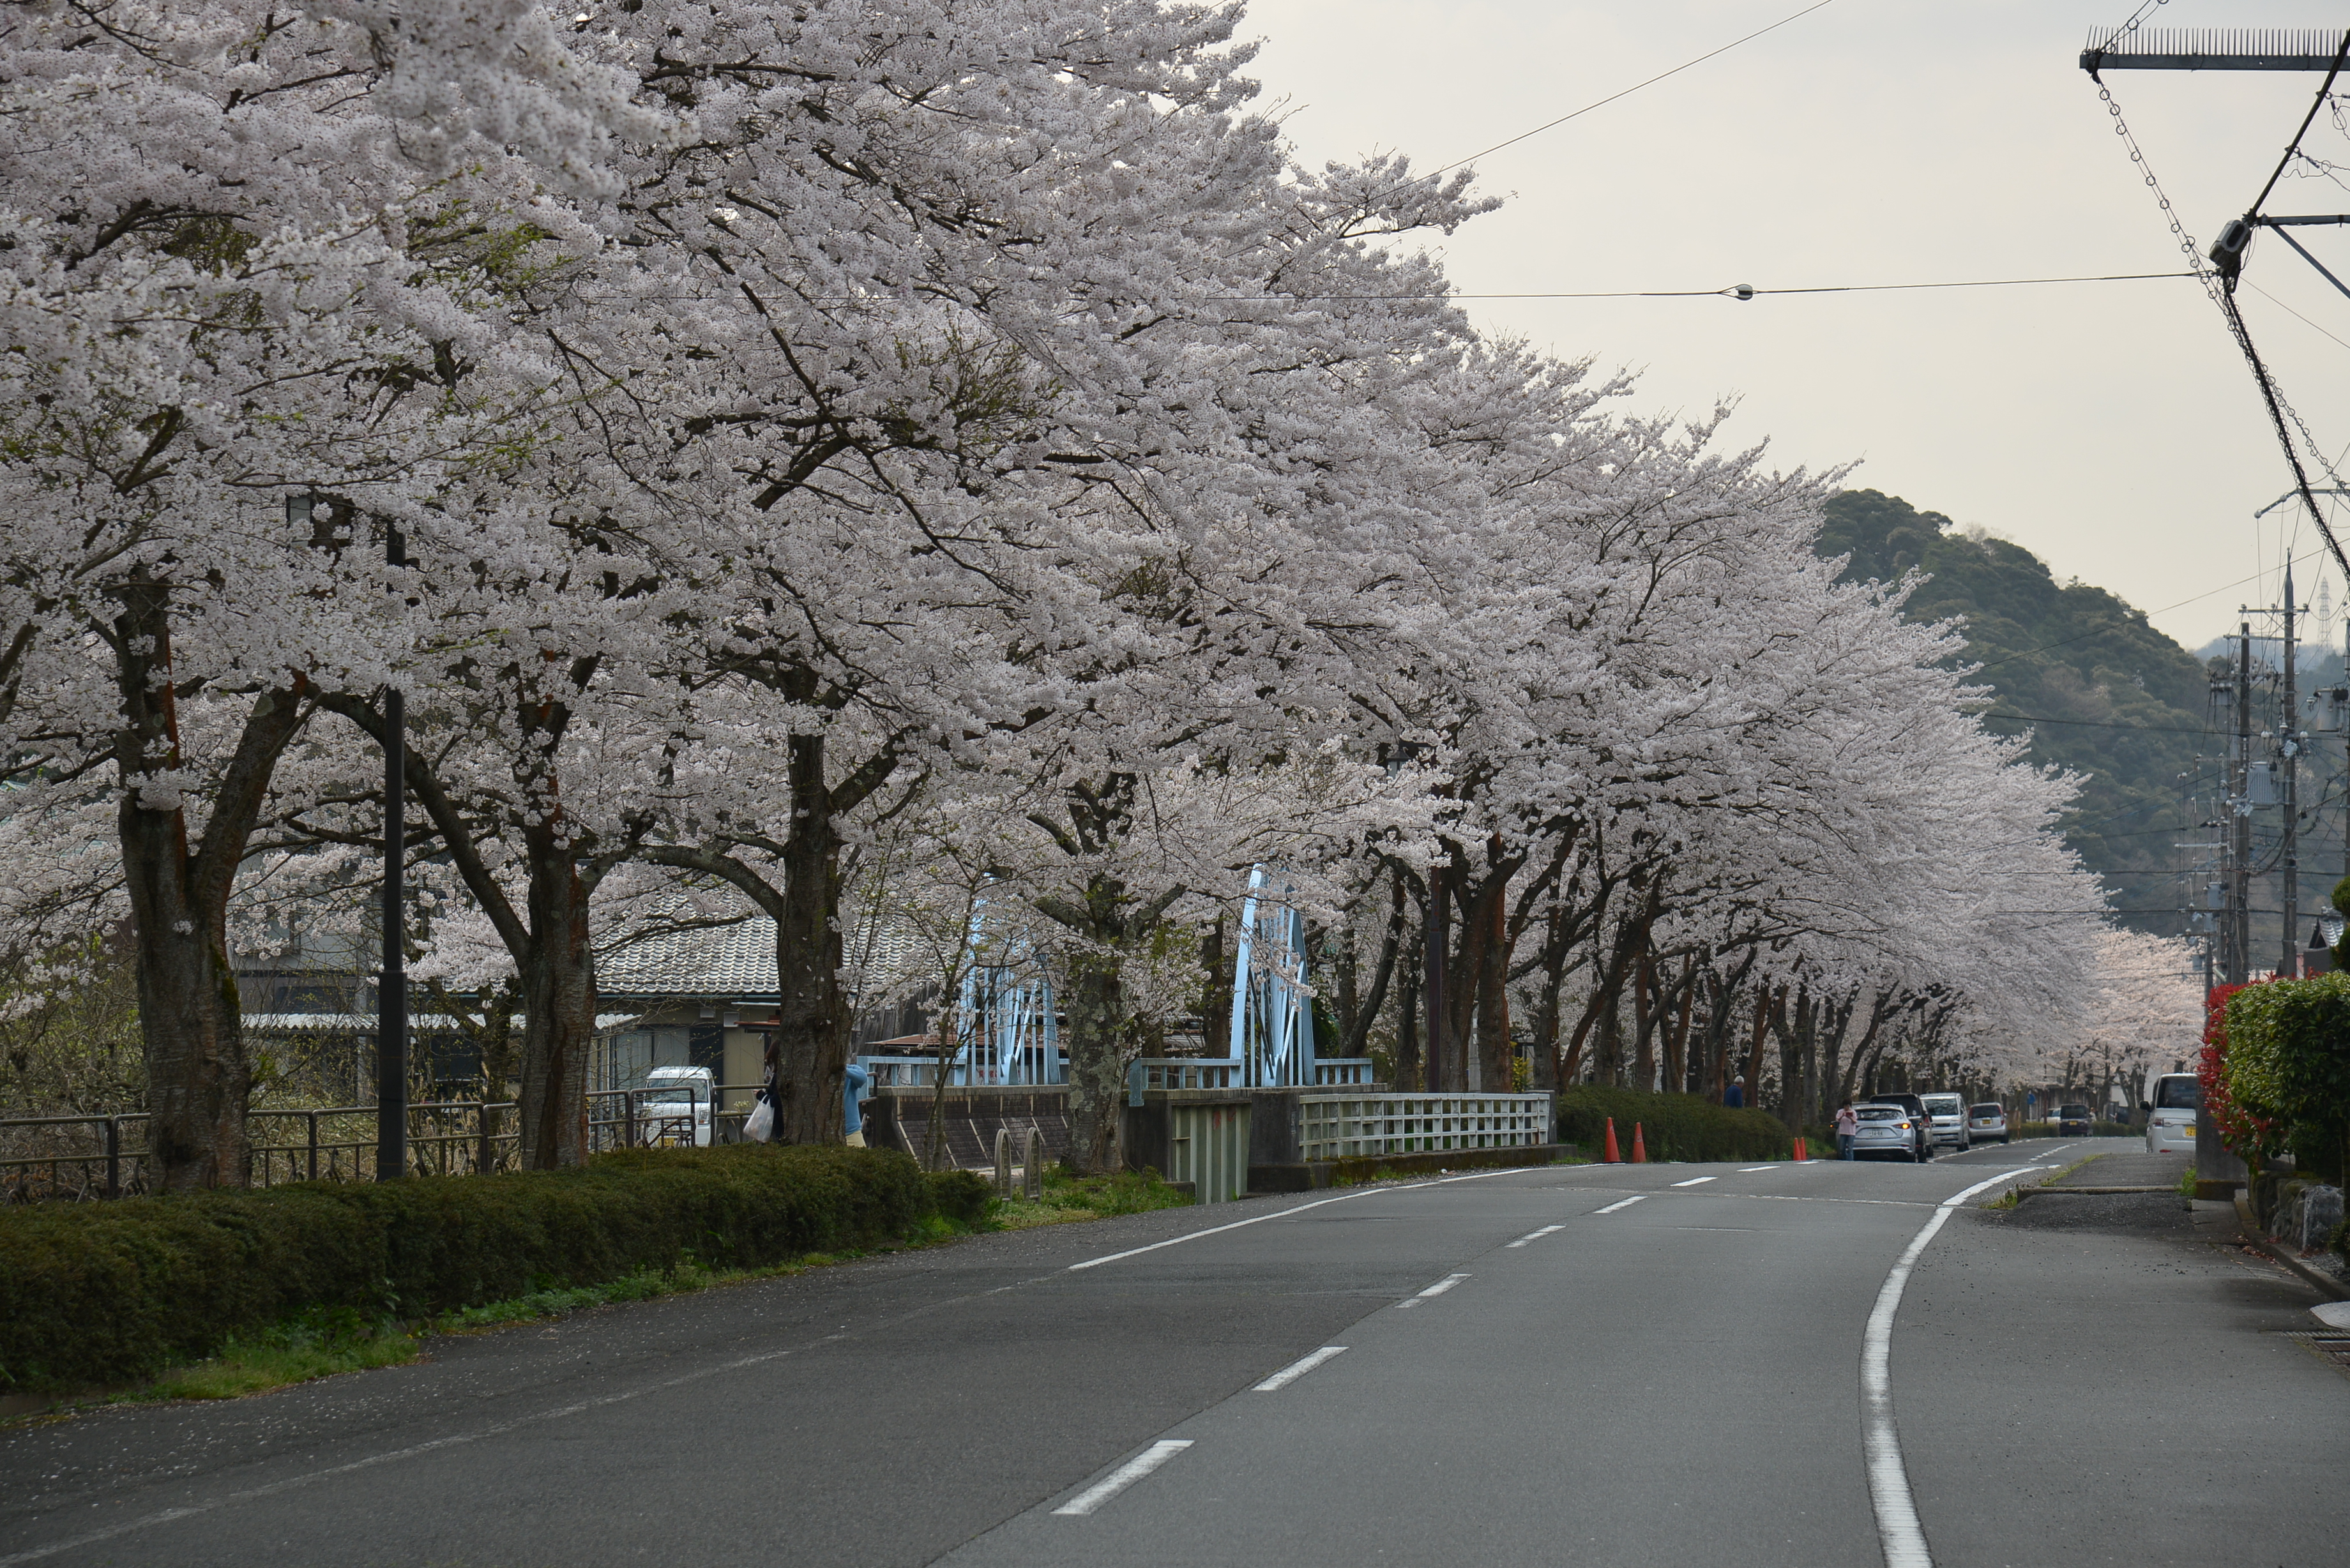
1535, 1371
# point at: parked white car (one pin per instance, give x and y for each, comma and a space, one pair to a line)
673, 1108
2170, 1123
1986, 1121
1946, 1115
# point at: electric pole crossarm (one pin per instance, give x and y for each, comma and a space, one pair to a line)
2213, 49
2302, 251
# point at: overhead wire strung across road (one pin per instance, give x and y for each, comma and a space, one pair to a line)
1735, 291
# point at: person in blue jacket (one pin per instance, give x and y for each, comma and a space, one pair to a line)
1734, 1096
857, 1078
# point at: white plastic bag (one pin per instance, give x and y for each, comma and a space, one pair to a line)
761, 1121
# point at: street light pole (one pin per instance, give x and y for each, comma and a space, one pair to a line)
392, 984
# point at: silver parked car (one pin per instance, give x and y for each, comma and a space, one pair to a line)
1986, 1121
1884, 1129
1947, 1113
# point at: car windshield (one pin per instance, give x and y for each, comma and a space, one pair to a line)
2174, 1095
668, 1096
1879, 1113
1943, 1105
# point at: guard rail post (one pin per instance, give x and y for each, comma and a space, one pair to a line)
1032, 1163
114, 1157
312, 1117
1004, 1163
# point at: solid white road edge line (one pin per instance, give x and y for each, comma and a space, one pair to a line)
1626, 1203
1694, 1181
1538, 1235
1888, 1480
1125, 1476
1300, 1209
1298, 1368
1744, 1169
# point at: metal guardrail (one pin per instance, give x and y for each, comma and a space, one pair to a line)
89, 1159
1182, 1073
1341, 1126
82, 1158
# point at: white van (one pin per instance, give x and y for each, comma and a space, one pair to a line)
1947, 1113
2170, 1123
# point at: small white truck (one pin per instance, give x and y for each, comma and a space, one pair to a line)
673, 1108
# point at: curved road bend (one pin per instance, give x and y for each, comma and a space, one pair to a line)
1603, 1364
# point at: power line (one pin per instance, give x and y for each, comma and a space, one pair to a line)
1611, 97
2165, 610
1735, 291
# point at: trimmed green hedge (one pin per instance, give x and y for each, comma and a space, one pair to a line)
1673, 1127
114, 1293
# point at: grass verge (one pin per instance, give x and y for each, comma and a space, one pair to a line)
1072, 1198
326, 1342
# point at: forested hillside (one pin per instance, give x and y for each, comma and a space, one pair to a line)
2110, 695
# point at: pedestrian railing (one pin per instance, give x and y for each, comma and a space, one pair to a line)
1343, 1126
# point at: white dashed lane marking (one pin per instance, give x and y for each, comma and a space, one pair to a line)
1125, 1476
1299, 1368
1437, 1289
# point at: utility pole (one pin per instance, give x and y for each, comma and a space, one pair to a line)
2289, 752
2239, 829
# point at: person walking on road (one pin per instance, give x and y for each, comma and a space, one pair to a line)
1847, 1123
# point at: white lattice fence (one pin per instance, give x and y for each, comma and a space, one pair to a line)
1340, 1126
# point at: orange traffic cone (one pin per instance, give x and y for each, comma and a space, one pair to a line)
1639, 1149
1611, 1157
1800, 1155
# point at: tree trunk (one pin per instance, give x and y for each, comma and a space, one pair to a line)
1409, 1077
191, 1026
1215, 994
197, 1076
1645, 1010
812, 1010
1675, 1030
1096, 1013
1496, 1055
1764, 999
558, 984
1435, 940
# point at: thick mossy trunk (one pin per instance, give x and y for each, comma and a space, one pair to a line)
1097, 1040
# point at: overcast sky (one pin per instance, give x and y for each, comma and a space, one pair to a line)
2110, 428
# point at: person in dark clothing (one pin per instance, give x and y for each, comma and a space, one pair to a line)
1734, 1096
